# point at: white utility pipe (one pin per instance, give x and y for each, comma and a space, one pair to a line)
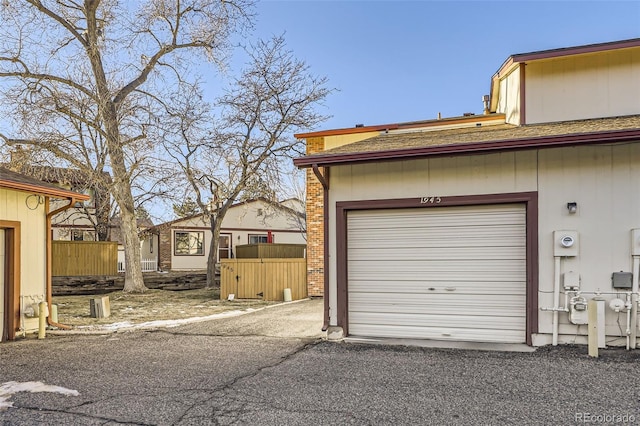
556, 299
628, 305
634, 301
42, 320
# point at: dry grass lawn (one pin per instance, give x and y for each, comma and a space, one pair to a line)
149, 306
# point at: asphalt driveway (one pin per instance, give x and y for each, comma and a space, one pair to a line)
270, 367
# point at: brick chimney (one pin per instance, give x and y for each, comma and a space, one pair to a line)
19, 158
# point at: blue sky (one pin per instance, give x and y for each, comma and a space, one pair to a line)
395, 61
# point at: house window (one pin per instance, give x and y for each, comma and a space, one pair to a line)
189, 243
80, 235
257, 239
91, 202
151, 244
224, 247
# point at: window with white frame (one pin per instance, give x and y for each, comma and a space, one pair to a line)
82, 235
257, 239
189, 243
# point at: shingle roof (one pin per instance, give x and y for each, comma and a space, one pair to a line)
20, 182
59, 175
476, 139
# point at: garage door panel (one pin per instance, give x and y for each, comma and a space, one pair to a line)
425, 304
457, 254
426, 233
460, 321
435, 218
421, 240
435, 287
445, 272
401, 270
441, 333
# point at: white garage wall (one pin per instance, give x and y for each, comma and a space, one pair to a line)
603, 180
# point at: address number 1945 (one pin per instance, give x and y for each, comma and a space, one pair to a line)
430, 200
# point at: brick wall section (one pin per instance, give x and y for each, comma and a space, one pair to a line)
315, 225
164, 250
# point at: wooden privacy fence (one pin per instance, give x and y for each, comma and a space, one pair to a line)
77, 258
263, 278
264, 250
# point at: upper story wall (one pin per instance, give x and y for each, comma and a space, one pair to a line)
604, 84
254, 215
509, 100
573, 87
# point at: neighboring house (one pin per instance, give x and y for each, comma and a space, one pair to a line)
87, 221
494, 228
184, 243
25, 248
90, 220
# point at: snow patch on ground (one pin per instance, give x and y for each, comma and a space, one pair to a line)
126, 325
9, 388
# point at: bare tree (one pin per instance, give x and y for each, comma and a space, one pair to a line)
101, 65
237, 153
294, 196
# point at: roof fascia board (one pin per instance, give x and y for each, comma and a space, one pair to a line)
399, 126
471, 148
61, 193
513, 60
346, 131
578, 50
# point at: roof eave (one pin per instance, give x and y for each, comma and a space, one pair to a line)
50, 192
402, 126
473, 148
513, 60
577, 50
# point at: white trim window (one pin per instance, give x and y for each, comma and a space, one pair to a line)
258, 239
188, 243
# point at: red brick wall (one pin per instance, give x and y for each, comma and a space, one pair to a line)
164, 249
315, 225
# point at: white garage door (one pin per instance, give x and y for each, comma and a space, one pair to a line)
452, 273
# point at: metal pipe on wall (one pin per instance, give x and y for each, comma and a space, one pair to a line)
556, 299
634, 301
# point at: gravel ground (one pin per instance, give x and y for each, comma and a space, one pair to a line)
359, 384
269, 367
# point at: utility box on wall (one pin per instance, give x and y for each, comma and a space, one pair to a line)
565, 243
622, 280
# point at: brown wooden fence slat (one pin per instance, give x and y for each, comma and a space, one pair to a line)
78, 258
267, 276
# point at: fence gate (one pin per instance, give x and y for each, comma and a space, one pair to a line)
263, 278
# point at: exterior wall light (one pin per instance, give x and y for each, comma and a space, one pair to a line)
572, 207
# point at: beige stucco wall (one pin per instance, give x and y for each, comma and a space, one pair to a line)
603, 180
604, 84
239, 222
24, 208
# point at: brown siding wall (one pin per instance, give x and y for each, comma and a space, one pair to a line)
315, 225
